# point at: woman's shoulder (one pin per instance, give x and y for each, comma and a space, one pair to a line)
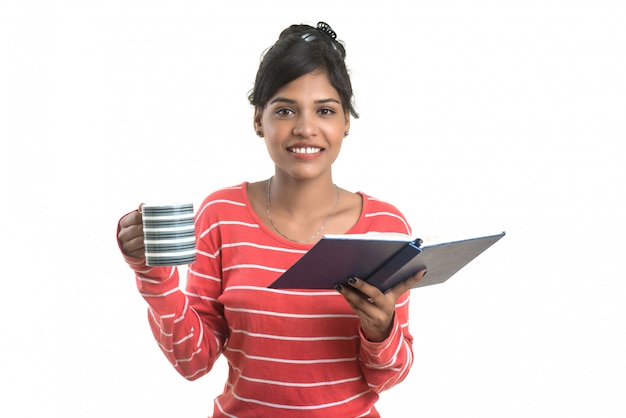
382, 216
371, 203
235, 192
232, 196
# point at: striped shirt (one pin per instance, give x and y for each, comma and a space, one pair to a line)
290, 353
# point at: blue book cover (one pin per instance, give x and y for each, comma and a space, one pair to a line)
381, 260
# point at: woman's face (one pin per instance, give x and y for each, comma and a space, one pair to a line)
304, 124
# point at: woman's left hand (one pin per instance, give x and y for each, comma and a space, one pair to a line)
375, 308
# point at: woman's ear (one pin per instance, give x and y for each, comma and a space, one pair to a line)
258, 126
347, 130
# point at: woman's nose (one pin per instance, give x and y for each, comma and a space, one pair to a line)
305, 126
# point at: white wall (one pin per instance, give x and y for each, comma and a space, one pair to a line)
488, 116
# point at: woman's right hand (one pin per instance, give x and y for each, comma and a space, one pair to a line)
130, 235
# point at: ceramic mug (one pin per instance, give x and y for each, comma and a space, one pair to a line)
169, 235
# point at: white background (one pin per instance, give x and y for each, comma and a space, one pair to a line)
475, 116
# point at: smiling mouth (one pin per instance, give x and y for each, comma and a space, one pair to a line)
305, 150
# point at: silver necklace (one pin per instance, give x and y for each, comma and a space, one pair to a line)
319, 231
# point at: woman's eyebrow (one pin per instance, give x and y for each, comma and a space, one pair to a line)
283, 100
329, 100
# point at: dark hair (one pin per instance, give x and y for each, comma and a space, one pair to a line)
300, 50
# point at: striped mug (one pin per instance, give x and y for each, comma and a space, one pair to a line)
169, 235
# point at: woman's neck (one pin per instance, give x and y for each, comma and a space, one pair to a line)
302, 197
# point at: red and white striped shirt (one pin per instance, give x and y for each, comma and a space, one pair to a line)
290, 353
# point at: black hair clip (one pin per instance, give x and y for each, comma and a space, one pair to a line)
325, 27
326, 30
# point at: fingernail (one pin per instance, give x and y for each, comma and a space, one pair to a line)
352, 280
338, 287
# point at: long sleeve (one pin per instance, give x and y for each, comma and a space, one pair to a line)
190, 340
388, 362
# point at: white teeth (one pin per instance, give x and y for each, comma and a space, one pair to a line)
307, 150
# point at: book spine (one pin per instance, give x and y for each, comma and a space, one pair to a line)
395, 263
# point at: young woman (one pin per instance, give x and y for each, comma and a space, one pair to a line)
290, 353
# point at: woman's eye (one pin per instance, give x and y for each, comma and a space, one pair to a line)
284, 112
327, 112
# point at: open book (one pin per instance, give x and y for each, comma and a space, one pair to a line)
383, 260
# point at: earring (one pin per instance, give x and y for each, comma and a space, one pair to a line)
346, 133
259, 133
